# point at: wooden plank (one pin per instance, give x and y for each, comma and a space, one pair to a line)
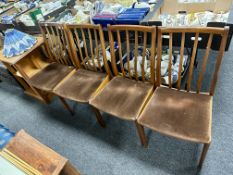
192, 62
37, 155
120, 52
170, 60
128, 53
181, 60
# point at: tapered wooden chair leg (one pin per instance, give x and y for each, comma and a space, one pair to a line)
203, 154
66, 106
99, 117
141, 134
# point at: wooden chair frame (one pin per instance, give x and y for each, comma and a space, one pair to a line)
80, 62
136, 30
211, 31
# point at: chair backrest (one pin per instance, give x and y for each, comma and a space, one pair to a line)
196, 32
56, 42
133, 51
87, 47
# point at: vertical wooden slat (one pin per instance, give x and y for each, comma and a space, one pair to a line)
72, 47
120, 52
59, 42
219, 60
65, 45
136, 55
85, 48
60, 34
203, 67
63, 49
91, 48
159, 57
192, 62
66, 42
113, 59
79, 48
60, 51
55, 47
42, 28
128, 53
102, 43
181, 60
144, 54
170, 60
51, 43
97, 50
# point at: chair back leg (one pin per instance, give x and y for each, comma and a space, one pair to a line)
141, 133
203, 154
99, 117
66, 106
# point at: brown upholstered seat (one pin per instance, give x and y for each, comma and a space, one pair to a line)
50, 76
122, 97
179, 114
81, 85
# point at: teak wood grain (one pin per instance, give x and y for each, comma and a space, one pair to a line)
37, 155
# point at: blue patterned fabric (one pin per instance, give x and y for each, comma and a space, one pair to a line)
16, 43
5, 136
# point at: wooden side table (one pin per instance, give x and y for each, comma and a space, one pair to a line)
39, 156
25, 66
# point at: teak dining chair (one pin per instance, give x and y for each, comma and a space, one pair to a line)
60, 65
86, 43
185, 114
127, 93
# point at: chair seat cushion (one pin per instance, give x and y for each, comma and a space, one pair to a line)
50, 76
183, 115
81, 85
122, 97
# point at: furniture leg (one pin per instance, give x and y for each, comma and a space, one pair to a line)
141, 134
203, 154
66, 106
99, 117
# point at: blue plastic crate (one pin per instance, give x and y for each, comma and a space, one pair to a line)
132, 16
128, 21
5, 136
103, 21
135, 10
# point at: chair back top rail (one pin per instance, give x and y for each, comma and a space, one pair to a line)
211, 32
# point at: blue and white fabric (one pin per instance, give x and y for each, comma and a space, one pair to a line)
5, 136
17, 42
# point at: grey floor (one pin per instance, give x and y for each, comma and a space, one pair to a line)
116, 150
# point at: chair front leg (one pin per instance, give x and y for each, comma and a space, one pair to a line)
99, 117
141, 134
65, 104
203, 154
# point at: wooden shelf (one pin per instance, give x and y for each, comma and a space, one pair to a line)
15, 59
